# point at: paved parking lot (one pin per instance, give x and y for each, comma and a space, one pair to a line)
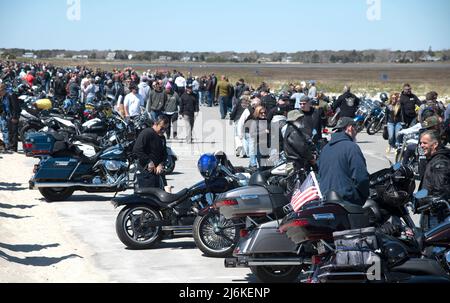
75, 241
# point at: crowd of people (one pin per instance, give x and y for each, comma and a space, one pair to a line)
265, 124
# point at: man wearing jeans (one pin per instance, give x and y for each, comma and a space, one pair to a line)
5, 116
188, 110
157, 101
222, 95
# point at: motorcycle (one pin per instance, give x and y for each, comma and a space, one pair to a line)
350, 243
418, 161
271, 256
333, 117
377, 119
64, 168
207, 228
151, 214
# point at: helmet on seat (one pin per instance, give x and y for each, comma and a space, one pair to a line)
208, 166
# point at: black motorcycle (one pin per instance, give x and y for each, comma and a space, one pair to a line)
375, 243
151, 214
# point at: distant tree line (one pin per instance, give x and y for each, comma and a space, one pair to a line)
341, 56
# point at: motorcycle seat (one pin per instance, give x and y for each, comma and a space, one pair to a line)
161, 195
87, 138
334, 198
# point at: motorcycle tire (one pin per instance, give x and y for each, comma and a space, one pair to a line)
374, 127
169, 166
214, 243
359, 127
277, 274
56, 194
126, 228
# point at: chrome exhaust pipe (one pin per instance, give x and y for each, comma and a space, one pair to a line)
37, 185
246, 262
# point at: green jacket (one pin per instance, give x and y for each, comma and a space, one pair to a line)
223, 89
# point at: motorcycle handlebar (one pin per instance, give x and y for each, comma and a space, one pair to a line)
433, 202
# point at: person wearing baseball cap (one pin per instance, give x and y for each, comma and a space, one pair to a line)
342, 166
295, 143
314, 120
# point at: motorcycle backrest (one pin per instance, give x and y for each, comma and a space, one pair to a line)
258, 179
333, 196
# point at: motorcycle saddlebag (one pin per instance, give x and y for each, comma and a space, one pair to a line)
48, 143
56, 169
356, 247
38, 144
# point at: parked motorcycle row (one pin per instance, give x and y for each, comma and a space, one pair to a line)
371, 115
87, 149
242, 215
330, 240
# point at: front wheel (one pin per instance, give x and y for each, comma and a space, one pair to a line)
277, 274
56, 194
169, 166
214, 235
359, 126
134, 227
374, 127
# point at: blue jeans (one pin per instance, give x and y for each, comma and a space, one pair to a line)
5, 130
201, 97
252, 151
210, 97
69, 103
154, 114
223, 106
393, 130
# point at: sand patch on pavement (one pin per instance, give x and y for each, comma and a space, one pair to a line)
34, 245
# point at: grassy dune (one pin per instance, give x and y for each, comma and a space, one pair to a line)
364, 78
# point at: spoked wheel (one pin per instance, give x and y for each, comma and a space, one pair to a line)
134, 227
374, 127
214, 235
277, 274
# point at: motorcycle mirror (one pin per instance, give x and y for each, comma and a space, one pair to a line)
421, 194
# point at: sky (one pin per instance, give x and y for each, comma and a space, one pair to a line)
210, 26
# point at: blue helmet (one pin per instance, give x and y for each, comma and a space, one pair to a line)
207, 165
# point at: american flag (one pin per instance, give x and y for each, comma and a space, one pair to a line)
308, 191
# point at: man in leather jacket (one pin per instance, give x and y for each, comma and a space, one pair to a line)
296, 146
436, 178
